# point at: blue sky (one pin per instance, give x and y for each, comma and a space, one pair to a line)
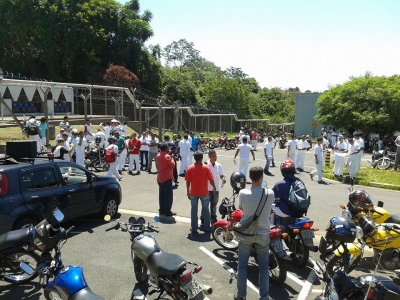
311, 44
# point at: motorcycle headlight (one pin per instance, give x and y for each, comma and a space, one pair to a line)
346, 213
359, 232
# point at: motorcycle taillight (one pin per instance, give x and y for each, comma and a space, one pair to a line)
275, 233
308, 225
185, 275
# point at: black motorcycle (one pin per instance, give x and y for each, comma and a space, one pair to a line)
94, 159
282, 142
376, 156
387, 160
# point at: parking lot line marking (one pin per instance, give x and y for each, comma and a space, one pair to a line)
294, 278
317, 291
307, 285
226, 267
138, 295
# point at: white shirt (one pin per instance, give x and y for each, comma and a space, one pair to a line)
79, 150
318, 152
65, 126
89, 128
190, 140
107, 130
144, 141
244, 151
360, 143
66, 155
184, 147
59, 136
303, 145
353, 148
341, 146
292, 146
268, 148
122, 131
244, 136
217, 171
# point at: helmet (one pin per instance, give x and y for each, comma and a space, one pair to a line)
360, 200
46, 238
224, 133
288, 167
179, 136
202, 134
75, 132
342, 229
238, 181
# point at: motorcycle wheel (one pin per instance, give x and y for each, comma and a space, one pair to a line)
52, 294
219, 236
211, 146
12, 273
383, 164
277, 269
227, 146
337, 263
139, 268
97, 166
300, 255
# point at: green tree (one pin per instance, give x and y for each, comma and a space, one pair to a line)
370, 103
277, 104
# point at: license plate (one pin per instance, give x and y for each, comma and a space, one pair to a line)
308, 236
193, 288
277, 245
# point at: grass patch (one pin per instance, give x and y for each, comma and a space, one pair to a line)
368, 175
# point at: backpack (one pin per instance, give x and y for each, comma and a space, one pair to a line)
110, 157
299, 200
32, 129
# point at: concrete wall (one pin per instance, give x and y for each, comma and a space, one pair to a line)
306, 109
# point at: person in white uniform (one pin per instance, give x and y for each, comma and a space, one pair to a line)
244, 158
353, 151
292, 149
88, 130
32, 129
113, 170
80, 145
184, 151
319, 161
360, 142
340, 153
302, 147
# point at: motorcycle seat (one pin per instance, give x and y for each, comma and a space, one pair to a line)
394, 219
13, 238
85, 294
164, 263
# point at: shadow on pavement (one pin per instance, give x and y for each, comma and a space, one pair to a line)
31, 291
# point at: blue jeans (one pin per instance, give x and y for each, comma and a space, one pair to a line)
165, 197
205, 212
266, 168
262, 248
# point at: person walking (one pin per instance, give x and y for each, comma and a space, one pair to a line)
268, 154
273, 141
253, 139
302, 147
184, 151
218, 173
80, 145
248, 203
134, 146
397, 160
244, 149
88, 130
197, 177
32, 129
319, 161
153, 151
292, 149
165, 165
43, 135
144, 151
113, 170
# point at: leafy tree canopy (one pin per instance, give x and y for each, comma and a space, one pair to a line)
370, 103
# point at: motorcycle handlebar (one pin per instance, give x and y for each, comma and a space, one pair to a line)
45, 280
69, 230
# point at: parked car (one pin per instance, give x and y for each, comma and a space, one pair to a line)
29, 190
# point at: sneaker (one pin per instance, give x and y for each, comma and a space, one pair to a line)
138, 173
239, 298
120, 179
119, 172
130, 172
312, 177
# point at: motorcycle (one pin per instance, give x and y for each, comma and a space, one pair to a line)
168, 272
387, 160
69, 281
367, 286
282, 142
224, 236
94, 158
16, 248
299, 237
376, 156
230, 144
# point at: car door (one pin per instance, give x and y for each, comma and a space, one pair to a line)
78, 188
41, 190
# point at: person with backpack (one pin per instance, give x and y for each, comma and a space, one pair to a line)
110, 157
32, 129
285, 193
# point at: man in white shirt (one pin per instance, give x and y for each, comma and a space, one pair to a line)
107, 129
60, 135
302, 147
218, 173
268, 154
244, 157
360, 142
67, 146
65, 125
353, 151
80, 145
292, 150
319, 161
32, 128
101, 136
88, 130
244, 135
144, 151
184, 151
340, 152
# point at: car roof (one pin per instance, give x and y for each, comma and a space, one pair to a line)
27, 163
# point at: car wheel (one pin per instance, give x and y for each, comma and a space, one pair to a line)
24, 223
110, 206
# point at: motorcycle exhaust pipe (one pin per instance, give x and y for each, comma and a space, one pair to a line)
207, 289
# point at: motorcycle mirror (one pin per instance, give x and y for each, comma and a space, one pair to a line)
132, 220
264, 183
58, 214
156, 219
26, 268
107, 218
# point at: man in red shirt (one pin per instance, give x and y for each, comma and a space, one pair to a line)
197, 177
166, 165
134, 150
253, 139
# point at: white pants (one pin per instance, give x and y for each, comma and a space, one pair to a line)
37, 139
358, 162
254, 144
185, 162
244, 166
352, 165
318, 170
121, 159
339, 165
300, 159
43, 144
134, 158
80, 159
113, 170
293, 157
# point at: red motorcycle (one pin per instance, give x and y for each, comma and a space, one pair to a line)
224, 236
